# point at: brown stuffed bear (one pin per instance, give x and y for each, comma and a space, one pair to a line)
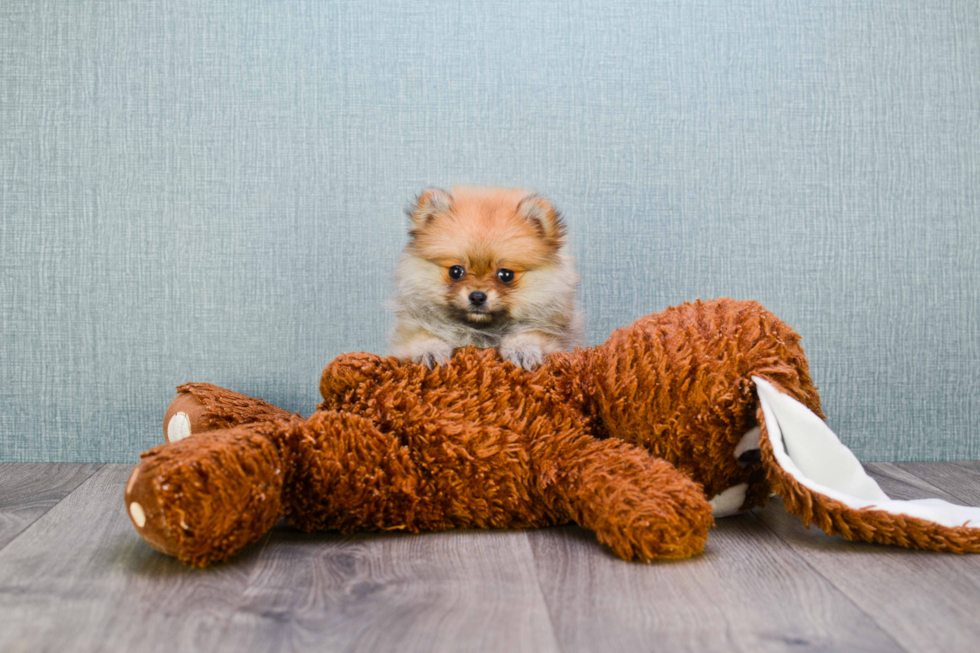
629, 439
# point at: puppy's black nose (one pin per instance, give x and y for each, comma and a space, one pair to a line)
477, 297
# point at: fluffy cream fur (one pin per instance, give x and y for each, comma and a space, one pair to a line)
484, 231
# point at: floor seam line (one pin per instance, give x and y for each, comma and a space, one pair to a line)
24, 530
544, 600
830, 581
952, 493
243, 599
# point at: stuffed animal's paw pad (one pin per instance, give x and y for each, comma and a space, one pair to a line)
179, 427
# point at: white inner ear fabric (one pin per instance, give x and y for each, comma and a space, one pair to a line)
806, 449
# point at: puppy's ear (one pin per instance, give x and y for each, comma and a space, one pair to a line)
429, 203
545, 217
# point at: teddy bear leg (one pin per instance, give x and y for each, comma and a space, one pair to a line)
347, 475
640, 506
202, 500
200, 407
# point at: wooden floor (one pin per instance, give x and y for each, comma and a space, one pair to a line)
74, 576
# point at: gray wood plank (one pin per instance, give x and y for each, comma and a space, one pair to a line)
927, 601
28, 490
77, 577
747, 592
450, 591
900, 482
959, 479
80, 579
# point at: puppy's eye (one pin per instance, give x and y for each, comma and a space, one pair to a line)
456, 272
505, 275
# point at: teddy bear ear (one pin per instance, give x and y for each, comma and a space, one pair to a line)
544, 216
429, 203
821, 481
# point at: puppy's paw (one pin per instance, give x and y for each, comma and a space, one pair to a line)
525, 350
431, 352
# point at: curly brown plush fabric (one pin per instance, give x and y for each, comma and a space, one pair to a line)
209, 408
627, 439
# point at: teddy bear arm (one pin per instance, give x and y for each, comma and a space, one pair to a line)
640, 506
347, 372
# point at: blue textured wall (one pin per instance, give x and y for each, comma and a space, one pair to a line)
213, 190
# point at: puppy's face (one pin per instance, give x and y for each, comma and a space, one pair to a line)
486, 254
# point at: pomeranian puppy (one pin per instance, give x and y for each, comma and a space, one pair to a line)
485, 267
